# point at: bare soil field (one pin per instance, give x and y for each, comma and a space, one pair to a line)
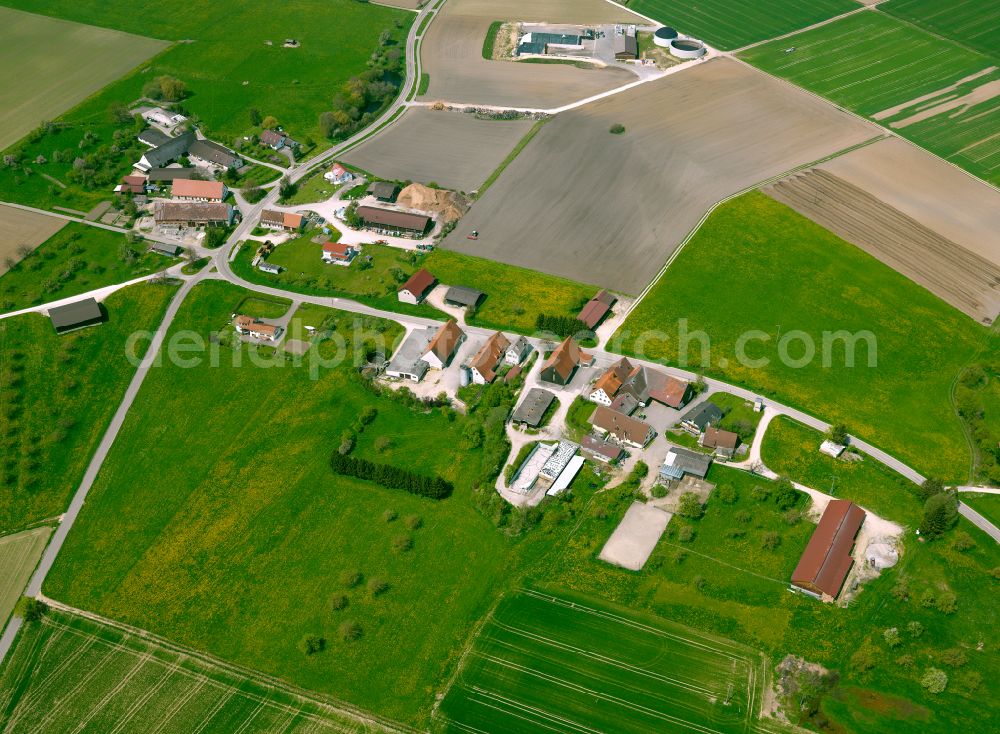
958, 276
19, 227
612, 208
453, 149
49, 65
452, 53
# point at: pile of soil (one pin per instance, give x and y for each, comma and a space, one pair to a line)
449, 206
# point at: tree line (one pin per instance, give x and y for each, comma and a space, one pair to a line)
392, 477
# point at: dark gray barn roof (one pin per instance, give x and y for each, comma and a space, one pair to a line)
76, 314
533, 407
463, 296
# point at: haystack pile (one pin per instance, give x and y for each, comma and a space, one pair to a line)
447, 206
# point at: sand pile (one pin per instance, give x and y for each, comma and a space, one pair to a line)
447, 205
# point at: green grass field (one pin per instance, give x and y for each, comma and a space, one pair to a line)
729, 24
234, 540
883, 68
969, 22
294, 84
726, 581
58, 394
816, 283
544, 663
67, 671
514, 296
77, 259
77, 61
792, 450
987, 505
19, 554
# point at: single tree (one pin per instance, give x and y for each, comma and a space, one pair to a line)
940, 513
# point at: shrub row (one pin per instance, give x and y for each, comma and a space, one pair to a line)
392, 477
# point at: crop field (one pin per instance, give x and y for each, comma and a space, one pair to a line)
75, 259
514, 296
543, 662
19, 229
452, 54
969, 22
727, 574
792, 450
730, 24
243, 550
612, 208
753, 246
19, 554
943, 96
452, 149
67, 671
228, 75
921, 216
77, 60
58, 393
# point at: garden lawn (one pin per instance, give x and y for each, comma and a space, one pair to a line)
305, 272
217, 522
514, 296
58, 394
76, 259
739, 417
729, 24
792, 450
871, 63
313, 189
726, 582
779, 271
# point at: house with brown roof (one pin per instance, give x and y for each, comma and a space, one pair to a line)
273, 139
485, 362
285, 221
189, 189
624, 429
249, 326
596, 309
415, 290
339, 253
392, 222
641, 383
723, 443
562, 364
827, 559
607, 385
443, 346
601, 449
192, 214
338, 174
134, 184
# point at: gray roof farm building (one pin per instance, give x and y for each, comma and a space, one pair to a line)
166, 153
76, 315
408, 361
212, 152
682, 461
153, 137
533, 407
192, 213
391, 219
827, 559
459, 295
169, 175
383, 190
165, 249
626, 46
702, 416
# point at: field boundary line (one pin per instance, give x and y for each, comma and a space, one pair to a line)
334, 705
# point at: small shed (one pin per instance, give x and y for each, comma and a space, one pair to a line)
460, 295
383, 191
76, 315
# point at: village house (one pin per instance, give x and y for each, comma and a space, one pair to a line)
624, 429
285, 221
602, 449
211, 154
415, 290
723, 443
700, 417
642, 384
338, 175
134, 185
169, 152
518, 351
562, 364
393, 223
192, 214
187, 189
485, 362
273, 139
596, 309
249, 326
339, 253
827, 559
408, 362
443, 346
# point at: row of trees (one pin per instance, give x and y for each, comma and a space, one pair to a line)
393, 477
560, 325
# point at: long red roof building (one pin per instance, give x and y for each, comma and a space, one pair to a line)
827, 559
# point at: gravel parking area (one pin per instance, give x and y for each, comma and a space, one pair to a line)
632, 542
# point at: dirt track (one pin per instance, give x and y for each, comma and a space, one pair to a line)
453, 149
612, 208
18, 227
965, 280
451, 53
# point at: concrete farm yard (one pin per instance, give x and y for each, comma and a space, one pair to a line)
334, 497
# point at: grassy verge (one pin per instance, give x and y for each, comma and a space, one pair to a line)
511, 156
425, 82
76, 259
59, 392
792, 450
491, 39
798, 284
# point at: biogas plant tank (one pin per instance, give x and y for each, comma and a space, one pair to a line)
687, 48
663, 36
